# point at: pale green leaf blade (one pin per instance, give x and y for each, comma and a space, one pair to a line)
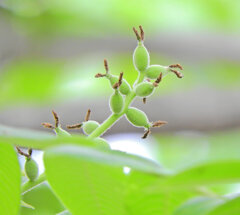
84, 185
139, 201
202, 175
43, 200
10, 180
37, 139
198, 206
231, 207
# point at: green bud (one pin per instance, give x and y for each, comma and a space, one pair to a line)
101, 143
141, 57
89, 126
137, 117
124, 88
61, 132
116, 102
31, 169
144, 89
154, 71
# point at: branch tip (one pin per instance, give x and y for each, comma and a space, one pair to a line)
76, 126
23, 153
56, 118
145, 135
47, 125
106, 65
144, 100
141, 32
159, 123
137, 34
87, 115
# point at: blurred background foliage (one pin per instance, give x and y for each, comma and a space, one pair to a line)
50, 51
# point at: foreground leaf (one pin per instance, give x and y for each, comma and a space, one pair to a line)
202, 175
37, 139
10, 180
43, 200
84, 184
231, 207
198, 206
140, 201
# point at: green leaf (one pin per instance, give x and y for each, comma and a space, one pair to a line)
198, 206
43, 200
231, 207
10, 180
36, 139
84, 184
201, 175
26, 205
113, 158
140, 201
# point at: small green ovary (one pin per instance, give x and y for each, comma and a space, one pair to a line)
101, 143
137, 117
154, 71
89, 126
61, 132
144, 89
31, 169
124, 88
116, 102
141, 58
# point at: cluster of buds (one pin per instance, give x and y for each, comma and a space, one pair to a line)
120, 100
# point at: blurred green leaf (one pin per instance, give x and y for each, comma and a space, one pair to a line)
83, 182
230, 207
29, 81
140, 201
10, 180
202, 175
198, 206
38, 140
43, 200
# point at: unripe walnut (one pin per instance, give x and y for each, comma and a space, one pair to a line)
31, 169
61, 132
116, 102
154, 71
144, 89
89, 126
141, 57
101, 143
124, 88
137, 117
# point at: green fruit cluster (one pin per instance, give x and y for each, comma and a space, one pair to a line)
149, 77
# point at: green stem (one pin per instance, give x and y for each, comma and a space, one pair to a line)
108, 123
30, 184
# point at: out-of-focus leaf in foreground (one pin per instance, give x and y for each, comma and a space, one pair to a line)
10, 180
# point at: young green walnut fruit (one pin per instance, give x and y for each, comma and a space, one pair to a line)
101, 143
154, 71
124, 88
116, 102
137, 118
61, 132
141, 58
31, 169
89, 126
144, 89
